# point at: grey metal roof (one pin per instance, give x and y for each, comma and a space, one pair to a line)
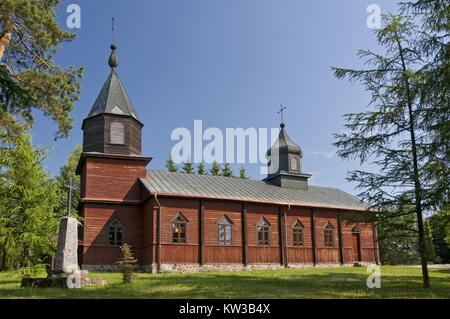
113, 98
236, 189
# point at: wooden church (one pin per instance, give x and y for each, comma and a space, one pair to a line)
187, 222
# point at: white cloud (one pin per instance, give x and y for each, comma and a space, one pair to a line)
324, 154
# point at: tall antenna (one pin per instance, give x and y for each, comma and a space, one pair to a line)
112, 29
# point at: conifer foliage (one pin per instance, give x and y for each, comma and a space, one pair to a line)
127, 263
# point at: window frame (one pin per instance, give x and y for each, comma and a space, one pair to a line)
225, 223
115, 122
328, 233
298, 228
267, 229
117, 227
297, 162
179, 220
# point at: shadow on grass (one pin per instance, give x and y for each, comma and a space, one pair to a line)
277, 284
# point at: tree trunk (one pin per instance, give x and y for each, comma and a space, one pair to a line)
5, 38
3, 259
417, 185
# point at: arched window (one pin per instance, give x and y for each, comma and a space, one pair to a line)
117, 133
179, 229
294, 166
225, 231
115, 230
328, 233
263, 232
298, 233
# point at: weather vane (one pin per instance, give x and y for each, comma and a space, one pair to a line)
282, 108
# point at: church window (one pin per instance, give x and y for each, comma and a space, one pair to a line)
298, 234
117, 133
263, 232
224, 231
179, 227
329, 235
115, 233
294, 164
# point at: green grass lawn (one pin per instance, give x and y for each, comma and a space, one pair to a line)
396, 282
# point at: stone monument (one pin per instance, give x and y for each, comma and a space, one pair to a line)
66, 259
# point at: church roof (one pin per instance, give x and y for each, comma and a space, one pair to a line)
113, 98
285, 144
228, 188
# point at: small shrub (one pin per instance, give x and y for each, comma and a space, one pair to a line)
126, 263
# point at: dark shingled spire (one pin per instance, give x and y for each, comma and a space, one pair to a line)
113, 98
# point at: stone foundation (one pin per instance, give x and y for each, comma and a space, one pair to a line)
193, 268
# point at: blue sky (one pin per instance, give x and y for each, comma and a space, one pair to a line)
230, 63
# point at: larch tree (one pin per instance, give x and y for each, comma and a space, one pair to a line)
395, 135
30, 79
28, 206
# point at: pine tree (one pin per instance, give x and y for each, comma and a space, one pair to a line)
171, 166
201, 168
188, 167
227, 171
243, 173
29, 37
215, 169
395, 136
127, 263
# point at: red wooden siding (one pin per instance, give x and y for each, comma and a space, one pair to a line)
104, 181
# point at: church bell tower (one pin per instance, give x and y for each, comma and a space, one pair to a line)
110, 168
112, 126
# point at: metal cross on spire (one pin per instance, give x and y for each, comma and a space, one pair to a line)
69, 197
112, 30
282, 108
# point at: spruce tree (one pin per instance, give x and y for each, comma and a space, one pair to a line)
188, 167
243, 173
127, 263
171, 166
201, 170
227, 171
215, 169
